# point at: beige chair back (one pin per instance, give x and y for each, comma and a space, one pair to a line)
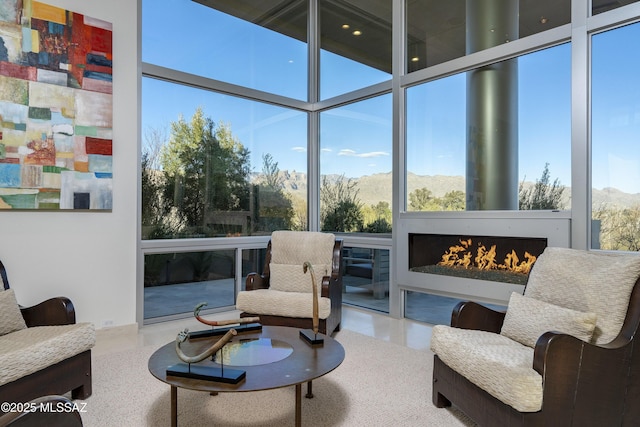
587, 281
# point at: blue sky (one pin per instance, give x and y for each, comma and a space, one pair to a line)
616, 109
356, 139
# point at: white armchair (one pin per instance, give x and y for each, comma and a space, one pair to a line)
282, 294
563, 354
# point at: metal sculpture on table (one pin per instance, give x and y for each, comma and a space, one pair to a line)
311, 336
182, 337
247, 324
202, 372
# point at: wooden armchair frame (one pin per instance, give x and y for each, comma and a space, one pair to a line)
583, 384
331, 288
72, 374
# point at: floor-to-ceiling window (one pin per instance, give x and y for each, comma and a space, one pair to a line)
489, 129
356, 191
615, 140
225, 142
291, 137
438, 127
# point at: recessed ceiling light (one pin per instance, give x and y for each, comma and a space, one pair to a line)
357, 32
345, 26
415, 59
543, 20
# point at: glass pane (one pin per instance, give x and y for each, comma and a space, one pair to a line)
355, 167
355, 45
438, 31
217, 165
615, 131
175, 283
365, 278
599, 6
434, 309
454, 163
231, 41
252, 262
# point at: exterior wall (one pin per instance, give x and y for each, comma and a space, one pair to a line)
89, 257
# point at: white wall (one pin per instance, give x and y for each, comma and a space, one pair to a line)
90, 257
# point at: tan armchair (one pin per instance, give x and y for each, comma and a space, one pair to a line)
43, 351
564, 354
282, 294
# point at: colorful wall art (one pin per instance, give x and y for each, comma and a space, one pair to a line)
55, 108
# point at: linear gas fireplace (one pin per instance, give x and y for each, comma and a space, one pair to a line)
491, 258
482, 256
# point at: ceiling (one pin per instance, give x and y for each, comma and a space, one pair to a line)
436, 28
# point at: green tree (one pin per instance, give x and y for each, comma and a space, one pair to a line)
452, 201
156, 216
345, 217
543, 194
340, 207
421, 199
275, 208
382, 210
380, 225
377, 218
619, 228
206, 169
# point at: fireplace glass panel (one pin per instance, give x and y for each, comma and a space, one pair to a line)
434, 309
492, 258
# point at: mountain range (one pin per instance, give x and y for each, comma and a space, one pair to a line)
377, 187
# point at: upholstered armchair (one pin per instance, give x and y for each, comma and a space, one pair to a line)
282, 294
564, 354
43, 351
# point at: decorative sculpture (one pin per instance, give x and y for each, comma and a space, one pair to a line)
247, 324
306, 334
182, 336
211, 373
242, 320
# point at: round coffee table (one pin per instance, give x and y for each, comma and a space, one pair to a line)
290, 361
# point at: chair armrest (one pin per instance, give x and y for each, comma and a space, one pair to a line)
471, 315
577, 374
331, 288
256, 281
54, 311
555, 348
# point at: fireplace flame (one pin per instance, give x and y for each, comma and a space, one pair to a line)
485, 259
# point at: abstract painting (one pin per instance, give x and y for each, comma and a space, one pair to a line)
55, 108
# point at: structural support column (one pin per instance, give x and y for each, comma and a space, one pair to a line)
492, 109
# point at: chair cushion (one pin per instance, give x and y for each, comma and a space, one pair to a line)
278, 303
29, 350
292, 278
296, 247
10, 316
587, 281
498, 365
527, 319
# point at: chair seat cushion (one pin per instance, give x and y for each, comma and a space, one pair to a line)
278, 303
498, 365
29, 350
